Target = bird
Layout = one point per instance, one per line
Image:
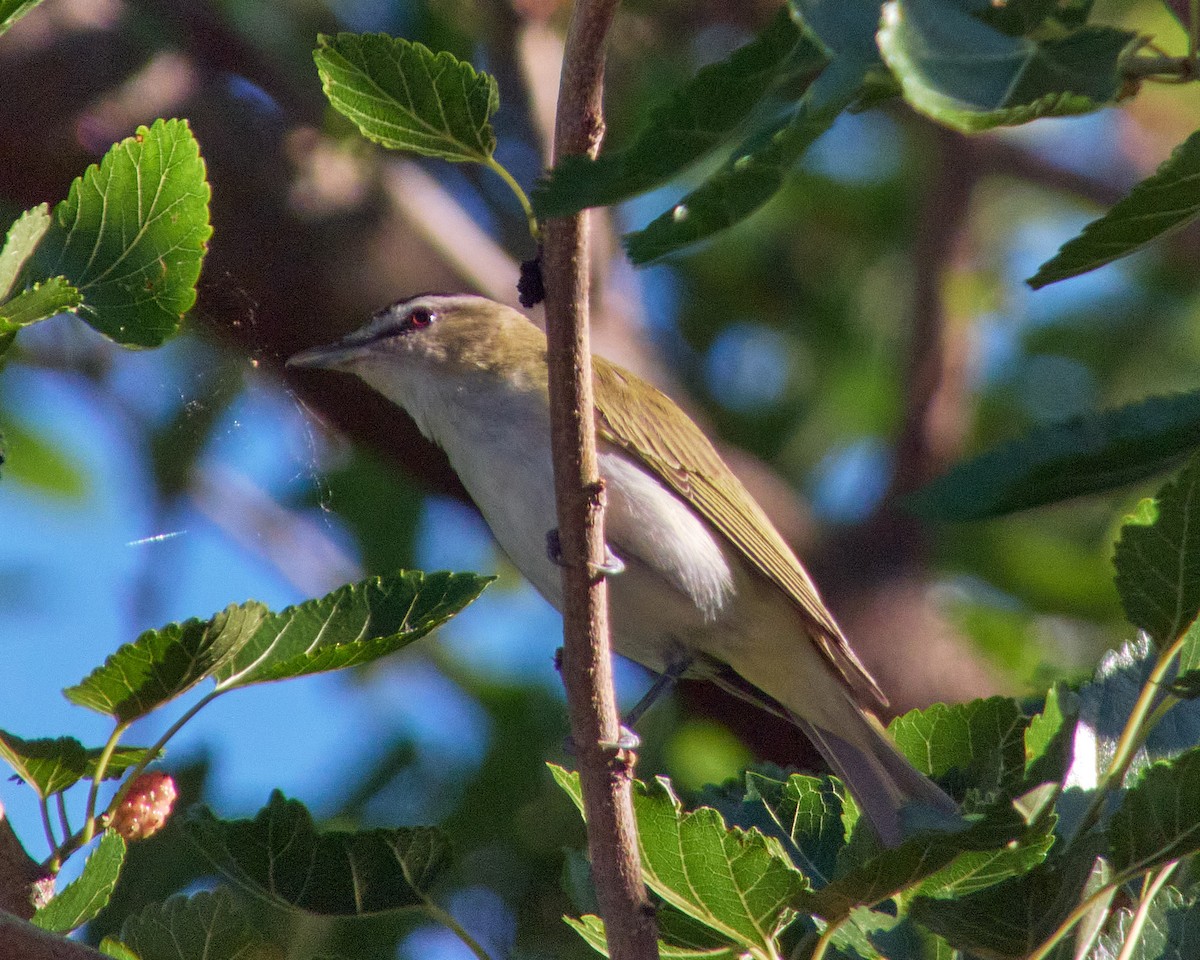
(701, 585)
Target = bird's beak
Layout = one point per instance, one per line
(332, 356)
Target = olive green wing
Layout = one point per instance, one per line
(688, 462)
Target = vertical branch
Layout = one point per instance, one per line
(605, 770)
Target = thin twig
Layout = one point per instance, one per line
(605, 771)
(1151, 885)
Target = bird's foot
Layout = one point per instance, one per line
(626, 740)
(611, 567)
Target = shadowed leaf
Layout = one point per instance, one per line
(205, 926)
(697, 118)
(1158, 560)
(1160, 203)
(1082, 455)
(52, 765)
(279, 856)
(962, 72)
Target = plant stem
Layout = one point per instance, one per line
(1194, 29)
(1080, 911)
(1178, 69)
(1141, 720)
(605, 770)
(89, 827)
(50, 839)
(823, 942)
(62, 814)
(89, 816)
(445, 918)
(535, 229)
(1150, 888)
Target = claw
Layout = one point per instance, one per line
(611, 567)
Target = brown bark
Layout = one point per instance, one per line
(605, 770)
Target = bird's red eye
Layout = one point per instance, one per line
(420, 318)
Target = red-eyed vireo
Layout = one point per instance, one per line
(709, 587)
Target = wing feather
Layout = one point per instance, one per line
(689, 463)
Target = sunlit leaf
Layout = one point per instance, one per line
(22, 239)
(1082, 455)
(1050, 738)
(697, 118)
(355, 624)
(162, 664)
(41, 301)
(132, 233)
(111, 947)
(13, 10)
(1160, 203)
(206, 926)
(37, 462)
(281, 857)
(1158, 559)
(982, 739)
(966, 74)
(86, 896)
(739, 884)
(404, 96)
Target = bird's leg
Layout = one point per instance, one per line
(628, 739)
(611, 566)
(662, 684)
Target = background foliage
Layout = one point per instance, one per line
(859, 333)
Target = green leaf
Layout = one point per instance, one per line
(1105, 705)
(405, 97)
(756, 171)
(1158, 559)
(280, 857)
(22, 239)
(1011, 918)
(162, 664)
(40, 302)
(206, 926)
(1072, 458)
(37, 462)
(995, 844)
(355, 624)
(111, 947)
(739, 884)
(983, 740)
(591, 928)
(132, 233)
(962, 72)
(13, 10)
(812, 817)
(83, 899)
(52, 765)
(1160, 203)
(696, 119)
(1170, 931)
(1050, 738)
(1158, 820)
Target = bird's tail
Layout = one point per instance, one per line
(887, 787)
